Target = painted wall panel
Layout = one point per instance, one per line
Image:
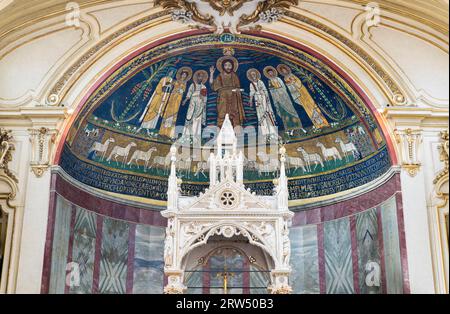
(304, 260)
(258, 280)
(394, 274)
(148, 263)
(114, 257)
(338, 257)
(83, 254)
(60, 248)
(368, 252)
(194, 282)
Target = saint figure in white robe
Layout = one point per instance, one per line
(197, 96)
(259, 96)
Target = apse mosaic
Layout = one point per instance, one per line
(179, 93)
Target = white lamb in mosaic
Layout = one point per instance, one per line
(101, 148)
(122, 152)
(142, 156)
(329, 153)
(348, 149)
(311, 159)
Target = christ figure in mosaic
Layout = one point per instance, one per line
(228, 87)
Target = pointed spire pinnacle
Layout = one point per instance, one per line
(227, 136)
(173, 190)
(282, 189)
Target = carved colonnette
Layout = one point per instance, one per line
(8, 193)
(439, 218)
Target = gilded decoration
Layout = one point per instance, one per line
(267, 11)
(226, 6)
(398, 96)
(230, 14)
(186, 7)
(54, 97)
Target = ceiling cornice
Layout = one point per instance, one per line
(433, 13)
(22, 13)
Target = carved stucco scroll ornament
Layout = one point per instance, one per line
(409, 141)
(226, 6)
(220, 14)
(185, 11)
(267, 12)
(42, 141)
(6, 148)
(443, 151)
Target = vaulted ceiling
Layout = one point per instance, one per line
(17, 13)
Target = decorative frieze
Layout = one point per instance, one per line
(409, 141)
(42, 141)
